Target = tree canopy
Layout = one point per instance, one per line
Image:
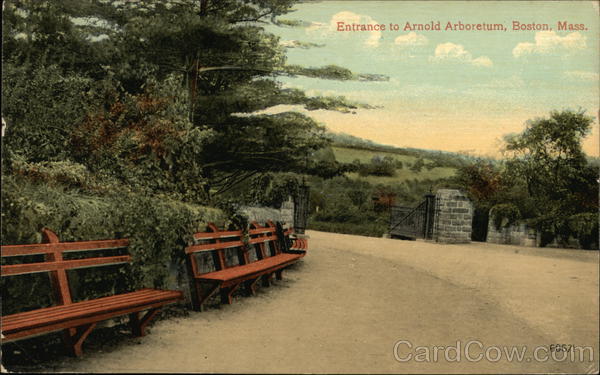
(161, 96)
(545, 179)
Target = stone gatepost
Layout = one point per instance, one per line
(454, 216)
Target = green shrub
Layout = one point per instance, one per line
(158, 230)
(379, 166)
(505, 215)
(585, 228)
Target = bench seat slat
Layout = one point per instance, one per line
(251, 269)
(46, 248)
(81, 320)
(81, 306)
(86, 309)
(20, 269)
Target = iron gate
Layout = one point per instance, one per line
(301, 209)
(413, 222)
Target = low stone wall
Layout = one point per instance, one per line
(522, 235)
(454, 216)
(285, 214)
(517, 234)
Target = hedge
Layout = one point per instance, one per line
(158, 230)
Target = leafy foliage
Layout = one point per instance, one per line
(332, 72)
(548, 159)
(585, 228)
(546, 180)
(505, 215)
(128, 118)
(166, 84)
(158, 230)
(379, 166)
(41, 107)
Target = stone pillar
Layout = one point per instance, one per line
(454, 216)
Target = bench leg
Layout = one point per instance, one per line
(138, 325)
(74, 338)
(204, 297)
(279, 274)
(267, 279)
(251, 286)
(226, 293)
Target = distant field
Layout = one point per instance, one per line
(404, 174)
(347, 155)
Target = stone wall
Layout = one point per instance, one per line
(517, 234)
(522, 235)
(454, 216)
(285, 214)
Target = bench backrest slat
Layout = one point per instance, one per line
(213, 246)
(21, 269)
(259, 229)
(47, 248)
(54, 262)
(222, 240)
(216, 235)
(256, 232)
(263, 239)
(261, 235)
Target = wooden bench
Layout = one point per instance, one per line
(76, 319)
(223, 262)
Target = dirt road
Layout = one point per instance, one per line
(358, 304)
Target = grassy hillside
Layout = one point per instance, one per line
(348, 154)
(351, 204)
(442, 158)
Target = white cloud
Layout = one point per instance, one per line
(353, 18)
(458, 53)
(579, 75)
(411, 39)
(548, 42)
(348, 18)
(451, 51)
(482, 61)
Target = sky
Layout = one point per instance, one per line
(449, 90)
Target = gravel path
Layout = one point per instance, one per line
(351, 299)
